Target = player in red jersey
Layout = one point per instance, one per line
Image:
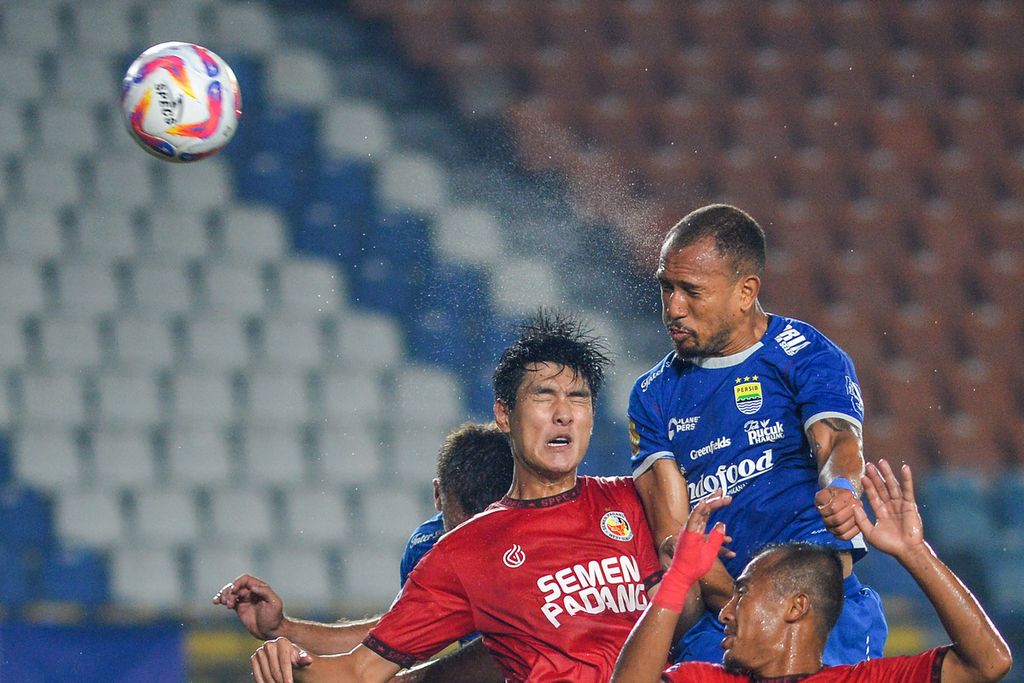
(554, 575)
(788, 598)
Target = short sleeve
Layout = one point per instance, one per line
(923, 668)
(431, 612)
(646, 553)
(826, 385)
(699, 672)
(648, 434)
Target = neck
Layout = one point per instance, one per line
(530, 486)
(794, 658)
(748, 332)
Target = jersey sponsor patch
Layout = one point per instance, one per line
(616, 527)
(853, 389)
(718, 444)
(791, 340)
(748, 395)
(763, 431)
(682, 424)
(612, 584)
(634, 438)
(514, 557)
(731, 478)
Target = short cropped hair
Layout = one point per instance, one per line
(556, 338)
(809, 568)
(737, 236)
(474, 466)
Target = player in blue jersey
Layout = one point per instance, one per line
(761, 405)
(474, 469)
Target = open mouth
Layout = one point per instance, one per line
(560, 441)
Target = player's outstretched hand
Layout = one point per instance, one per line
(695, 553)
(898, 529)
(259, 608)
(276, 661)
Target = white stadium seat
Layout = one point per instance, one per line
(470, 234)
(160, 288)
(104, 26)
(356, 129)
(123, 457)
(412, 181)
(13, 344)
(31, 27)
(48, 458)
(12, 122)
(21, 77)
(166, 517)
(368, 341)
(147, 577)
(428, 397)
(90, 517)
(273, 456)
(303, 574)
(278, 398)
(236, 287)
(85, 79)
(143, 343)
(105, 234)
(349, 456)
(68, 129)
(204, 186)
(248, 27)
(198, 456)
(69, 343)
(390, 512)
(203, 397)
(257, 234)
(240, 515)
(520, 286)
(53, 398)
(125, 180)
(217, 343)
(126, 398)
(50, 181)
(293, 343)
(32, 233)
(316, 517)
(179, 233)
(412, 452)
(352, 397)
(22, 287)
(309, 287)
(215, 564)
(371, 573)
(298, 77)
(87, 289)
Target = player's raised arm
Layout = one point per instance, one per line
(643, 656)
(979, 653)
(261, 611)
(839, 448)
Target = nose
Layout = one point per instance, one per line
(562, 414)
(728, 611)
(674, 304)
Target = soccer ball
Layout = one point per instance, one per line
(180, 101)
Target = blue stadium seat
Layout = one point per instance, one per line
(404, 236)
(967, 526)
(451, 310)
(74, 575)
(288, 131)
(396, 264)
(268, 177)
(16, 578)
(5, 459)
(325, 230)
(1008, 502)
(348, 185)
(26, 517)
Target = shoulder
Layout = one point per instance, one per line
(643, 383)
(797, 340)
(427, 532)
(620, 488)
(699, 671)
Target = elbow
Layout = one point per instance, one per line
(997, 666)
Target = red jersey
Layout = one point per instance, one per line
(553, 584)
(923, 668)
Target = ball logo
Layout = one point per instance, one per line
(615, 526)
(514, 557)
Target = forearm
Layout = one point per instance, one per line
(362, 665)
(325, 639)
(839, 449)
(716, 587)
(662, 490)
(977, 645)
(645, 653)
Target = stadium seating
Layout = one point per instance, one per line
(183, 346)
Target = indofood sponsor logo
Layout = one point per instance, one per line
(748, 394)
(682, 424)
(732, 477)
(720, 442)
(763, 431)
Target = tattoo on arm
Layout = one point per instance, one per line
(837, 425)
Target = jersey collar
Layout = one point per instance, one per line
(550, 501)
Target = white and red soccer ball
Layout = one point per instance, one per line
(180, 101)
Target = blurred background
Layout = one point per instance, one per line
(247, 364)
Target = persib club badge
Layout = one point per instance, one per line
(748, 395)
(615, 526)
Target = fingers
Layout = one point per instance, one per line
(698, 519)
(908, 484)
(232, 592)
(864, 524)
(874, 488)
(273, 661)
(891, 485)
(260, 666)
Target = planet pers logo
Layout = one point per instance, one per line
(748, 395)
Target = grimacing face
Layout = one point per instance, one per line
(551, 423)
(754, 620)
(700, 298)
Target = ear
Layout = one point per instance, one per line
(749, 289)
(797, 607)
(437, 494)
(501, 416)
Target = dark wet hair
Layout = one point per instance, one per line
(551, 337)
(737, 236)
(474, 466)
(809, 568)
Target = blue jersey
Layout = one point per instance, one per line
(738, 422)
(422, 540)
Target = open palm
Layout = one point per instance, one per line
(898, 527)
